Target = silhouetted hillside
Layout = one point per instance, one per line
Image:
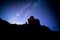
(33, 25)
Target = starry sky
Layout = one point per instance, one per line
(18, 11)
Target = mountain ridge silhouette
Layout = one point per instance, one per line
(33, 25)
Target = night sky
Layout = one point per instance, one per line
(18, 11)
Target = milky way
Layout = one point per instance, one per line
(19, 11)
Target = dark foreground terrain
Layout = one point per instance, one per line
(33, 25)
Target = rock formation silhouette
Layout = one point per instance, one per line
(33, 25)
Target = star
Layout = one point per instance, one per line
(17, 14)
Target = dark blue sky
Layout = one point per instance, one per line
(19, 11)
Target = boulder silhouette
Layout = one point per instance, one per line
(31, 20)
